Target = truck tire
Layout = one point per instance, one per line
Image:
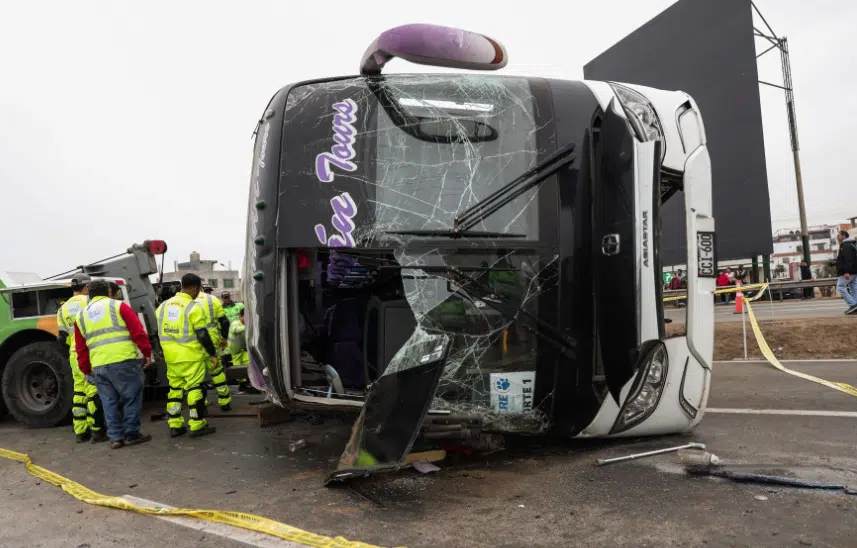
(38, 386)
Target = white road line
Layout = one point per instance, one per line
(789, 412)
(807, 362)
(250, 538)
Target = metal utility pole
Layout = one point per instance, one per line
(783, 45)
(790, 107)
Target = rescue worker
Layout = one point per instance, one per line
(187, 346)
(231, 307)
(238, 352)
(237, 342)
(87, 416)
(218, 329)
(107, 335)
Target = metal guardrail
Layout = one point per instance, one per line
(774, 286)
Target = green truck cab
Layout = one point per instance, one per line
(35, 375)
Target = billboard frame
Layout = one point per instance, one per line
(781, 43)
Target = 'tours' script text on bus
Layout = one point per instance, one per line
(340, 155)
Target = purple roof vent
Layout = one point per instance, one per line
(434, 45)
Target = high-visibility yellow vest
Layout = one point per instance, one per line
(233, 311)
(107, 336)
(66, 316)
(178, 320)
(238, 344)
(213, 309)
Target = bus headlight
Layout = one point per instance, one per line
(640, 113)
(643, 401)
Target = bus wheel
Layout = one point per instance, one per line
(38, 386)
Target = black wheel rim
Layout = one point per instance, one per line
(38, 386)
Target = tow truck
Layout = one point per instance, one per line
(35, 375)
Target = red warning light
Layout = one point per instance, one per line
(156, 247)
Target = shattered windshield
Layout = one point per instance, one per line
(490, 140)
(370, 163)
(364, 158)
(479, 308)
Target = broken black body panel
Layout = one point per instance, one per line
(380, 167)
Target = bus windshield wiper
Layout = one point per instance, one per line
(531, 178)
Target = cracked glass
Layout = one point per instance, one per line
(387, 164)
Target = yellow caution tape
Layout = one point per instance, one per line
(762, 288)
(236, 519)
(758, 295)
(766, 351)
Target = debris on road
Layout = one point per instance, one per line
(296, 445)
(703, 463)
(766, 479)
(602, 462)
(761, 498)
(425, 467)
(270, 414)
(698, 457)
(428, 456)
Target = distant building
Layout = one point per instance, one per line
(220, 280)
(788, 249)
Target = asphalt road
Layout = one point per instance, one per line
(543, 496)
(765, 310)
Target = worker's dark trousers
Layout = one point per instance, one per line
(120, 387)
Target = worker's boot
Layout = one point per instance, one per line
(204, 431)
(99, 436)
(83, 438)
(178, 432)
(137, 439)
(226, 408)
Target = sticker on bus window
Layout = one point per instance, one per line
(513, 392)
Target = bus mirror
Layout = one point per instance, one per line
(436, 46)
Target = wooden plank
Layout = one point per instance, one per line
(270, 414)
(430, 456)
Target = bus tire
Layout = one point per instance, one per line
(38, 386)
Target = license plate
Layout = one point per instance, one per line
(706, 255)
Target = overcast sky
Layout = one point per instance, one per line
(122, 121)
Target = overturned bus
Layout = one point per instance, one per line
(461, 256)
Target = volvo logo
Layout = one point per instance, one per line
(610, 245)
